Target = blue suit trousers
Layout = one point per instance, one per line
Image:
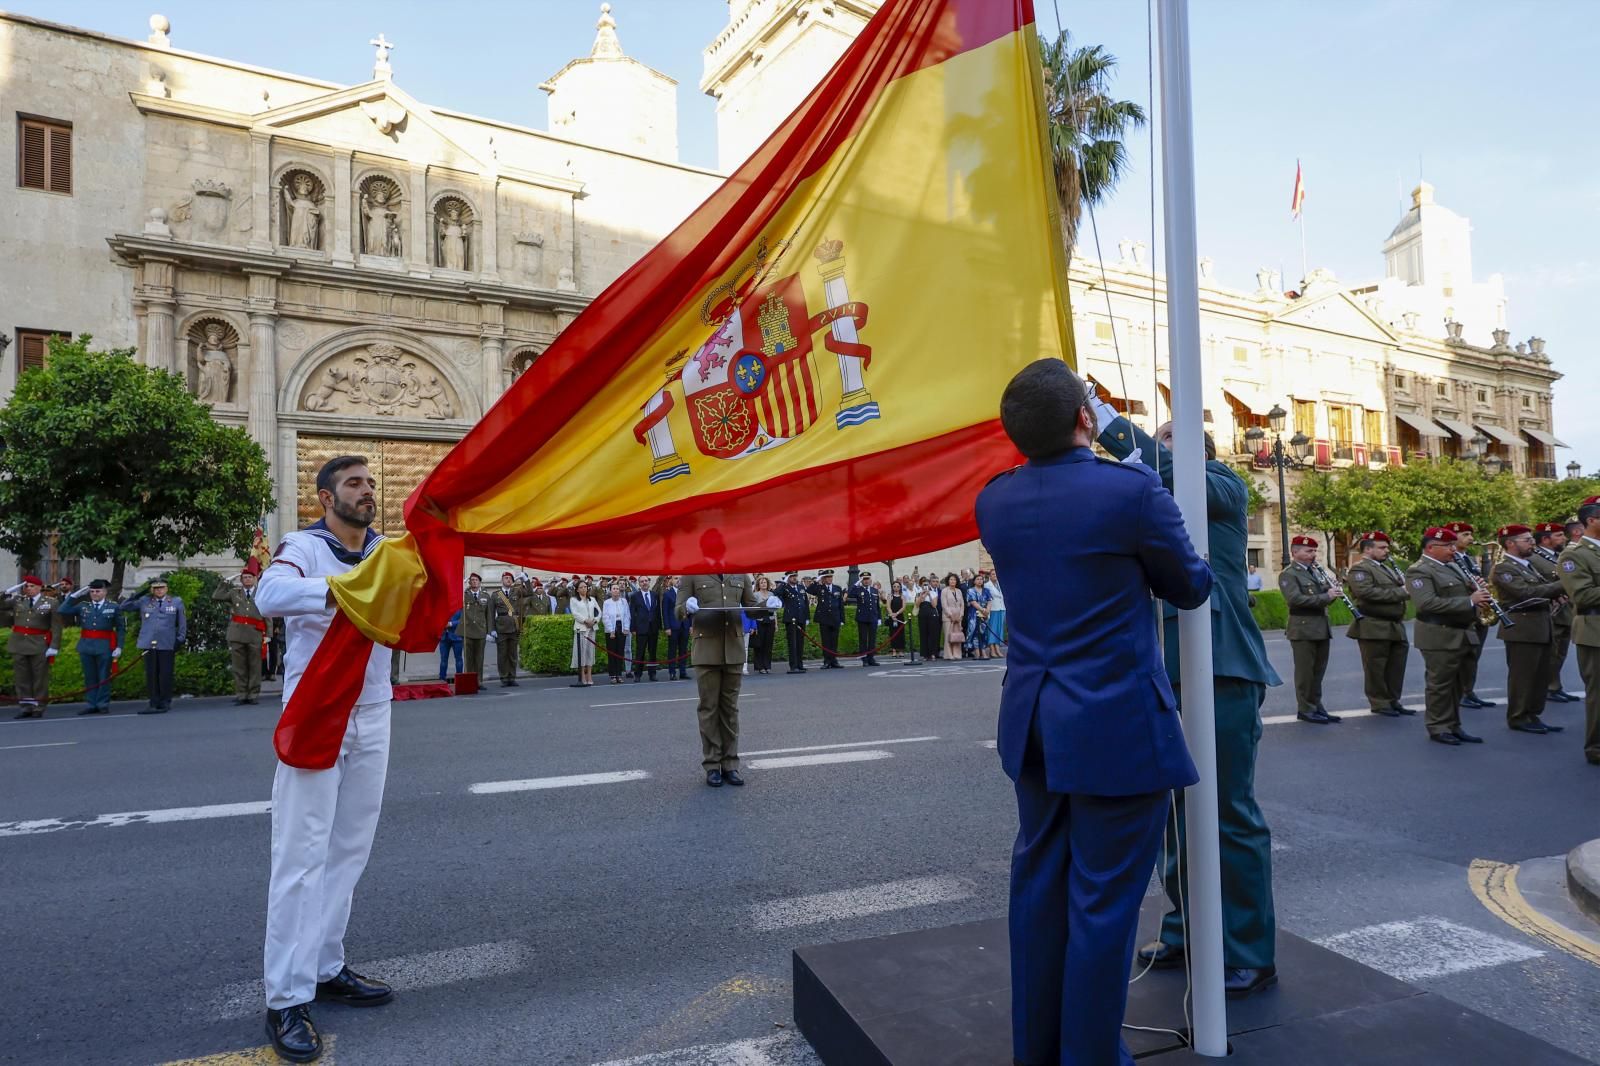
(96, 677)
(1078, 875)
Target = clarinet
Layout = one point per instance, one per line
(1545, 553)
(1322, 576)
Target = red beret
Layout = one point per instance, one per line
(32, 579)
(1591, 499)
(1304, 541)
(1377, 535)
(1444, 533)
(1513, 530)
(1547, 527)
(1459, 527)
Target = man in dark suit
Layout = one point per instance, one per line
(677, 632)
(869, 614)
(1089, 729)
(830, 617)
(644, 622)
(796, 616)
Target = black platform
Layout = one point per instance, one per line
(942, 997)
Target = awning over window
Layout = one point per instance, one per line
(1249, 397)
(1503, 435)
(1420, 424)
(1460, 429)
(1549, 440)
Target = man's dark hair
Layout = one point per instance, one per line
(328, 476)
(1431, 540)
(1574, 530)
(1040, 406)
(1588, 513)
(1544, 535)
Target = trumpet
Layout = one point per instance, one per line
(1322, 576)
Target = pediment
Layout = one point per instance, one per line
(1338, 312)
(376, 117)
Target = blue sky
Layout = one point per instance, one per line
(1478, 96)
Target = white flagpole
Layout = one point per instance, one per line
(1204, 939)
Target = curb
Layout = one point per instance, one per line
(1583, 877)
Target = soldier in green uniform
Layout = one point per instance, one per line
(1548, 540)
(712, 603)
(1580, 577)
(1447, 603)
(35, 639)
(1308, 596)
(247, 633)
(506, 605)
(1378, 589)
(99, 641)
(535, 600)
(1468, 563)
(1525, 596)
(475, 619)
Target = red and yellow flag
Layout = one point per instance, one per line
(808, 369)
(1297, 201)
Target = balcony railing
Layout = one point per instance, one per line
(1343, 449)
(1542, 470)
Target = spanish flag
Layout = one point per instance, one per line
(808, 369)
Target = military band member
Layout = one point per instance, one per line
(1308, 631)
(1447, 603)
(796, 616)
(1378, 589)
(1580, 577)
(711, 602)
(34, 642)
(830, 617)
(163, 625)
(507, 607)
(247, 633)
(476, 616)
(1469, 666)
(1525, 596)
(1548, 541)
(99, 641)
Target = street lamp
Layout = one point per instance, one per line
(1299, 448)
(1574, 470)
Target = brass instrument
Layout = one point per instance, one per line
(1550, 556)
(1488, 613)
(1322, 576)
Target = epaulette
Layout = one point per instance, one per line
(1001, 474)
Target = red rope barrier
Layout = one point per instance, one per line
(70, 696)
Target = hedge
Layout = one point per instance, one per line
(195, 673)
(1273, 613)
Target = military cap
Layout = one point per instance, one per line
(1444, 533)
(1376, 535)
(1512, 530)
(1303, 541)
(99, 583)
(1542, 528)
(1591, 499)
(1459, 527)
(32, 579)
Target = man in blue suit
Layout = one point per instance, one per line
(1089, 729)
(1242, 674)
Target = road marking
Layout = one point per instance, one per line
(990, 744)
(858, 902)
(1280, 719)
(74, 718)
(817, 760)
(57, 744)
(484, 788)
(125, 818)
(835, 747)
(1425, 948)
(684, 699)
(1495, 885)
(783, 1049)
(407, 973)
(258, 1056)
(937, 671)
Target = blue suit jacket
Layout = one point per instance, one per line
(1237, 649)
(1081, 543)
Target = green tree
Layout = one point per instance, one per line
(1086, 125)
(120, 463)
(1557, 501)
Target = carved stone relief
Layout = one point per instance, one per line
(468, 353)
(530, 257)
(290, 336)
(380, 379)
(207, 208)
(381, 217)
(301, 213)
(213, 360)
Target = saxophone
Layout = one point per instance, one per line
(1488, 613)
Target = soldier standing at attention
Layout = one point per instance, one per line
(1580, 577)
(1469, 666)
(1548, 540)
(1525, 595)
(1308, 630)
(162, 627)
(830, 617)
(247, 633)
(796, 616)
(1447, 603)
(475, 618)
(869, 613)
(507, 607)
(99, 642)
(1378, 589)
(35, 639)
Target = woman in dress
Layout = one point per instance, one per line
(979, 598)
(585, 618)
(897, 619)
(615, 619)
(766, 628)
(997, 617)
(953, 610)
(926, 605)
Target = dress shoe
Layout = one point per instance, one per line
(1329, 715)
(1557, 695)
(714, 778)
(1530, 727)
(154, 710)
(1445, 738)
(796, 671)
(1465, 738)
(353, 990)
(731, 777)
(292, 1034)
(1159, 955)
(93, 710)
(1548, 728)
(1315, 717)
(1478, 701)
(1242, 981)
(513, 683)
(1387, 712)
(29, 712)
(1402, 708)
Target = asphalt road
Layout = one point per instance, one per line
(646, 918)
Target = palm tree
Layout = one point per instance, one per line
(1086, 125)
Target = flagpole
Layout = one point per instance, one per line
(1204, 902)
(1305, 268)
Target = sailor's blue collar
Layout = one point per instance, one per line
(320, 530)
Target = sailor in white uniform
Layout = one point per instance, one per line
(322, 820)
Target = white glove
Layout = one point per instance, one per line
(116, 653)
(1104, 414)
(774, 602)
(1135, 456)
(491, 636)
(14, 589)
(691, 605)
(50, 653)
(80, 593)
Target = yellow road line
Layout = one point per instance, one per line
(256, 1056)
(1495, 885)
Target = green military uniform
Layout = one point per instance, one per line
(1580, 577)
(247, 640)
(506, 604)
(1446, 633)
(1529, 640)
(1308, 632)
(1379, 592)
(535, 601)
(35, 638)
(1560, 621)
(1469, 664)
(476, 616)
(718, 657)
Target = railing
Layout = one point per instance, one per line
(1378, 454)
(1542, 470)
(1343, 449)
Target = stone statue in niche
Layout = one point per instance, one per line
(434, 396)
(452, 239)
(303, 212)
(214, 370)
(380, 219)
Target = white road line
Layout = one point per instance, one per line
(117, 821)
(783, 1049)
(57, 744)
(74, 718)
(428, 969)
(1280, 719)
(858, 902)
(817, 760)
(484, 788)
(990, 744)
(1426, 948)
(684, 699)
(835, 747)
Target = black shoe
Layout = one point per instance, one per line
(731, 777)
(238, 701)
(714, 778)
(29, 712)
(1445, 738)
(1387, 712)
(1240, 982)
(1557, 695)
(353, 990)
(794, 671)
(1548, 728)
(1472, 701)
(1466, 738)
(1315, 717)
(1402, 708)
(292, 1034)
(1160, 955)
(513, 683)
(1329, 715)
(1531, 727)
(154, 710)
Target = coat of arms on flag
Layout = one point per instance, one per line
(752, 385)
